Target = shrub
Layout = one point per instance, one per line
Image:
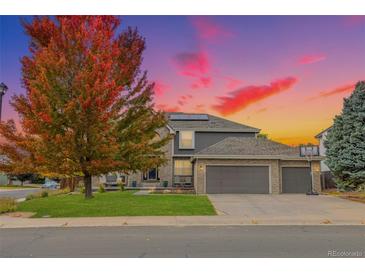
(7, 205)
(44, 193)
(343, 185)
(59, 191)
(82, 189)
(101, 188)
(30, 197)
(361, 188)
(121, 187)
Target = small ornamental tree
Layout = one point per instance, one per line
(88, 108)
(345, 142)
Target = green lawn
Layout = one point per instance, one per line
(119, 204)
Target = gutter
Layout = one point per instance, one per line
(253, 157)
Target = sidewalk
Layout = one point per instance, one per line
(19, 222)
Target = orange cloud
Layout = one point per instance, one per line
(310, 59)
(241, 98)
(207, 29)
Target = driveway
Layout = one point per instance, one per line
(288, 207)
(18, 193)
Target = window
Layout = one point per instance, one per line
(183, 168)
(151, 175)
(186, 140)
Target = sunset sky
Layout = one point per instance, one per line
(286, 75)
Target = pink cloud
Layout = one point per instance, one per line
(167, 108)
(354, 20)
(192, 63)
(195, 65)
(232, 83)
(202, 82)
(199, 108)
(310, 59)
(161, 88)
(183, 100)
(338, 90)
(241, 98)
(207, 29)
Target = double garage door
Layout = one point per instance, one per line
(295, 179)
(238, 179)
(255, 179)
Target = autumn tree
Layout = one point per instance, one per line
(88, 106)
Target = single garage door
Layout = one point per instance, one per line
(296, 179)
(237, 179)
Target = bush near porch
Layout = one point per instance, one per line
(119, 203)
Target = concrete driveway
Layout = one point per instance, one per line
(299, 207)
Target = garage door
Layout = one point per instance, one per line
(296, 179)
(237, 179)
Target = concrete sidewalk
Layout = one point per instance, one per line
(19, 222)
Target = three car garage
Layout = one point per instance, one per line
(254, 166)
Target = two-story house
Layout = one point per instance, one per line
(216, 155)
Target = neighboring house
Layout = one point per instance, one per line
(321, 137)
(326, 175)
(215, 155)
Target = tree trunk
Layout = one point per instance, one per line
(88, 186)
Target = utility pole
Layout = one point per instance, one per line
(3, 89)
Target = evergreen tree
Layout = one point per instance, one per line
(345, 142)
(88, 108)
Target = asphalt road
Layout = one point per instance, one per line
(18, 193)
(162, 242)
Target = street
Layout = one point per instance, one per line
(162, 242)
(18, 193)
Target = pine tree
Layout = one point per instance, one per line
(345, 142)
(88, 107)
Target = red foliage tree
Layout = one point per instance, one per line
(88, 108)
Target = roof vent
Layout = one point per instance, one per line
(189, 117)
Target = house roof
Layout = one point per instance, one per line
(319, 135)
(213, 123)
(241, 146)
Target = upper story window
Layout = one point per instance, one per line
(186, 140)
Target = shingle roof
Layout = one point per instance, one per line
(319, 135)
(241, 146)
(213, 124)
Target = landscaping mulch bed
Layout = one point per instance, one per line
(353, 196)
